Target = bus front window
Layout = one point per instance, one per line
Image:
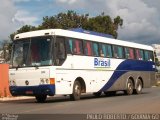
(40, 52)
(32, 52)
(18, 55)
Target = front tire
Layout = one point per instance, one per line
(139, 87)
(129, 90)
(76, 91)
(41, 98)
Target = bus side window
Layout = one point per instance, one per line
(109, 51)
(126, 53)
(88, 48)
(148, 56)
(115, 51)
(129, 53)
(102, 50)
(139, 54)
(142, 54)
(60, 51)
(151, 56)
(118, 51)
(138, 57)
(78, 47)
(71, 45)
(95, 49)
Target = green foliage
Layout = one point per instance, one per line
(64, 20)
(101, 23)
(25, 28)
(6, 51)
(157, 62)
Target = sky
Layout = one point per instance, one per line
(141, 17)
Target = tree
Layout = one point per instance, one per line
(25, 28)
(64, 20)
(157, 62)
(6, 50)
(101, 23)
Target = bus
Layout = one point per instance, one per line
(73, 62)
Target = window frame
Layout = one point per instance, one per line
(150, 58)
(143, 59)
(84, 47)
(123, 53)
(133, 53)
(98, 50)
(68, 50)
(99, 45)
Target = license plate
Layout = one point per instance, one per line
(29, 92)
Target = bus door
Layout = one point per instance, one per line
(60, 51)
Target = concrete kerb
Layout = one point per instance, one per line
(19, 98)
(15, 98)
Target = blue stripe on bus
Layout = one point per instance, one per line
(126, 66)
(32, 90)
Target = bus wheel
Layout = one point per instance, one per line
(139, 86)
(110, 93)
(129, 90)
(76, 91)
(97, 94)
(41, 98)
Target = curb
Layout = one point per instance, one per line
(15, 98)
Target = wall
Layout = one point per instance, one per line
(4, 78)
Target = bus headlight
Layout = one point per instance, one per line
(12, 83)
(44, 81)
(47, 81)
(41, 81)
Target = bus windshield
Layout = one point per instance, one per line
(32, 52)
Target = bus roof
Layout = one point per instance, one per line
(80, 30)
(82, 35)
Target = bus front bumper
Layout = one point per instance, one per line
(32, 90)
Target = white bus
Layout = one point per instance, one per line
(71, 62)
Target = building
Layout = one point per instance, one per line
(1, 57)
(157, 49)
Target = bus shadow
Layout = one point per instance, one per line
(88, 97)
(67, 98)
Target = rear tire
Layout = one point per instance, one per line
(76, 91)
(129, 90)
(139, 87)
(41, 98)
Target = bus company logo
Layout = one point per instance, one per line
(101, 63)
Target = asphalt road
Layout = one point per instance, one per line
(147, 102)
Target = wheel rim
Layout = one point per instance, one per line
(139, 87)
(130, 87)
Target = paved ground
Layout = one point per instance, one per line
(148, 102)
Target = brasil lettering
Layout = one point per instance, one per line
(102, 62)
